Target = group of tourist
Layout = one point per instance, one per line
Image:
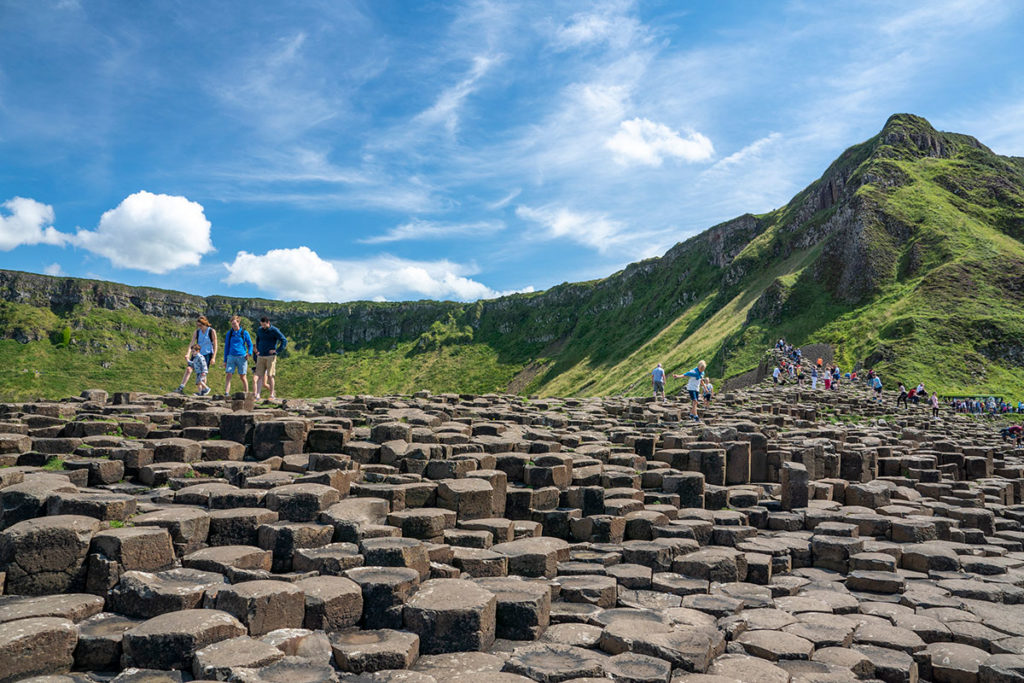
(239, 348)
(981, 406)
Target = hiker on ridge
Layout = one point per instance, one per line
(658, 381)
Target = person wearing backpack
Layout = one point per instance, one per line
(237, 349)
(206, 338)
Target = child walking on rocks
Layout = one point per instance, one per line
(902, 398)
(934, 400)
(693, 382)
(197, 363)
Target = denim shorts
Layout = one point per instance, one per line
(693, 394)
(239, 364)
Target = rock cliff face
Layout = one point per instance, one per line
(899, 221)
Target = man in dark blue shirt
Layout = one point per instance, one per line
(269, 343)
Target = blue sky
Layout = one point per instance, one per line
(403, 150)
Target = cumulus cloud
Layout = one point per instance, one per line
(27, 222)
(301, 273)
(157, 233)
(642, 141)
(594, 230)
(430, 230)
(53, 269)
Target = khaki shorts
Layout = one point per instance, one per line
(266, 364)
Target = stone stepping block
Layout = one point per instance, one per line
(102, 506)
(287, 670)
(550, 663)
(443, 666)
(100, 471)
(36, 647)
(1001, 667)
(350, 515)
(858, 663)
(385, 591)
(146, 595)
(396, 552)
(238, 526)
(875, 581)
(170, 641)
(594, 589)
(219, 661)
(523, 606)
(741, 667)
(470, 498)
(46, 555)
(284, 538)
(332, 602)
(224, 559)
(177, 451)
(301, 502)
(712, 564)
(889, 664)
(689, 649)
(630, 667)
(375, 650)
(202, 494)
(263, 605)
(423, 523)
(332, 559)
(74, 607)
(501, 529)
(577, 635)
(99, 641)
(451, 615)
(115, 551)
(534, 557)
(823, 630)
(220, 449)
(480, 563)
(189, 527)
(776, 645)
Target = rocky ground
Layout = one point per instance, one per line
(487, 538)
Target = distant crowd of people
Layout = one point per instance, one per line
(239, 348)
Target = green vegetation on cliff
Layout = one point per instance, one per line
(906, 256)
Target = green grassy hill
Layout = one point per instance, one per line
(906, 256)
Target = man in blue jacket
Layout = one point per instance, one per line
(269, 344)
(237, 349)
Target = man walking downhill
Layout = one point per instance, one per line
(237, 349)
(658, 380)
(693, 380)
(269, 345)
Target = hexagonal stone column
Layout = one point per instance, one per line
(170, 640)
(451, 615)
(46, 555)
(263, 606)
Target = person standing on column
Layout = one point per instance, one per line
(269, 345)
(237, 349)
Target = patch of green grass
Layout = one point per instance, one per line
(54, 465)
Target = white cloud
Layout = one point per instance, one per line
(755, 150)
(53, 269)
(590, 229)
(448, 104)
(430, 230)
(157, 233)
(28, 222)
(646, 142)
(302, 274)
